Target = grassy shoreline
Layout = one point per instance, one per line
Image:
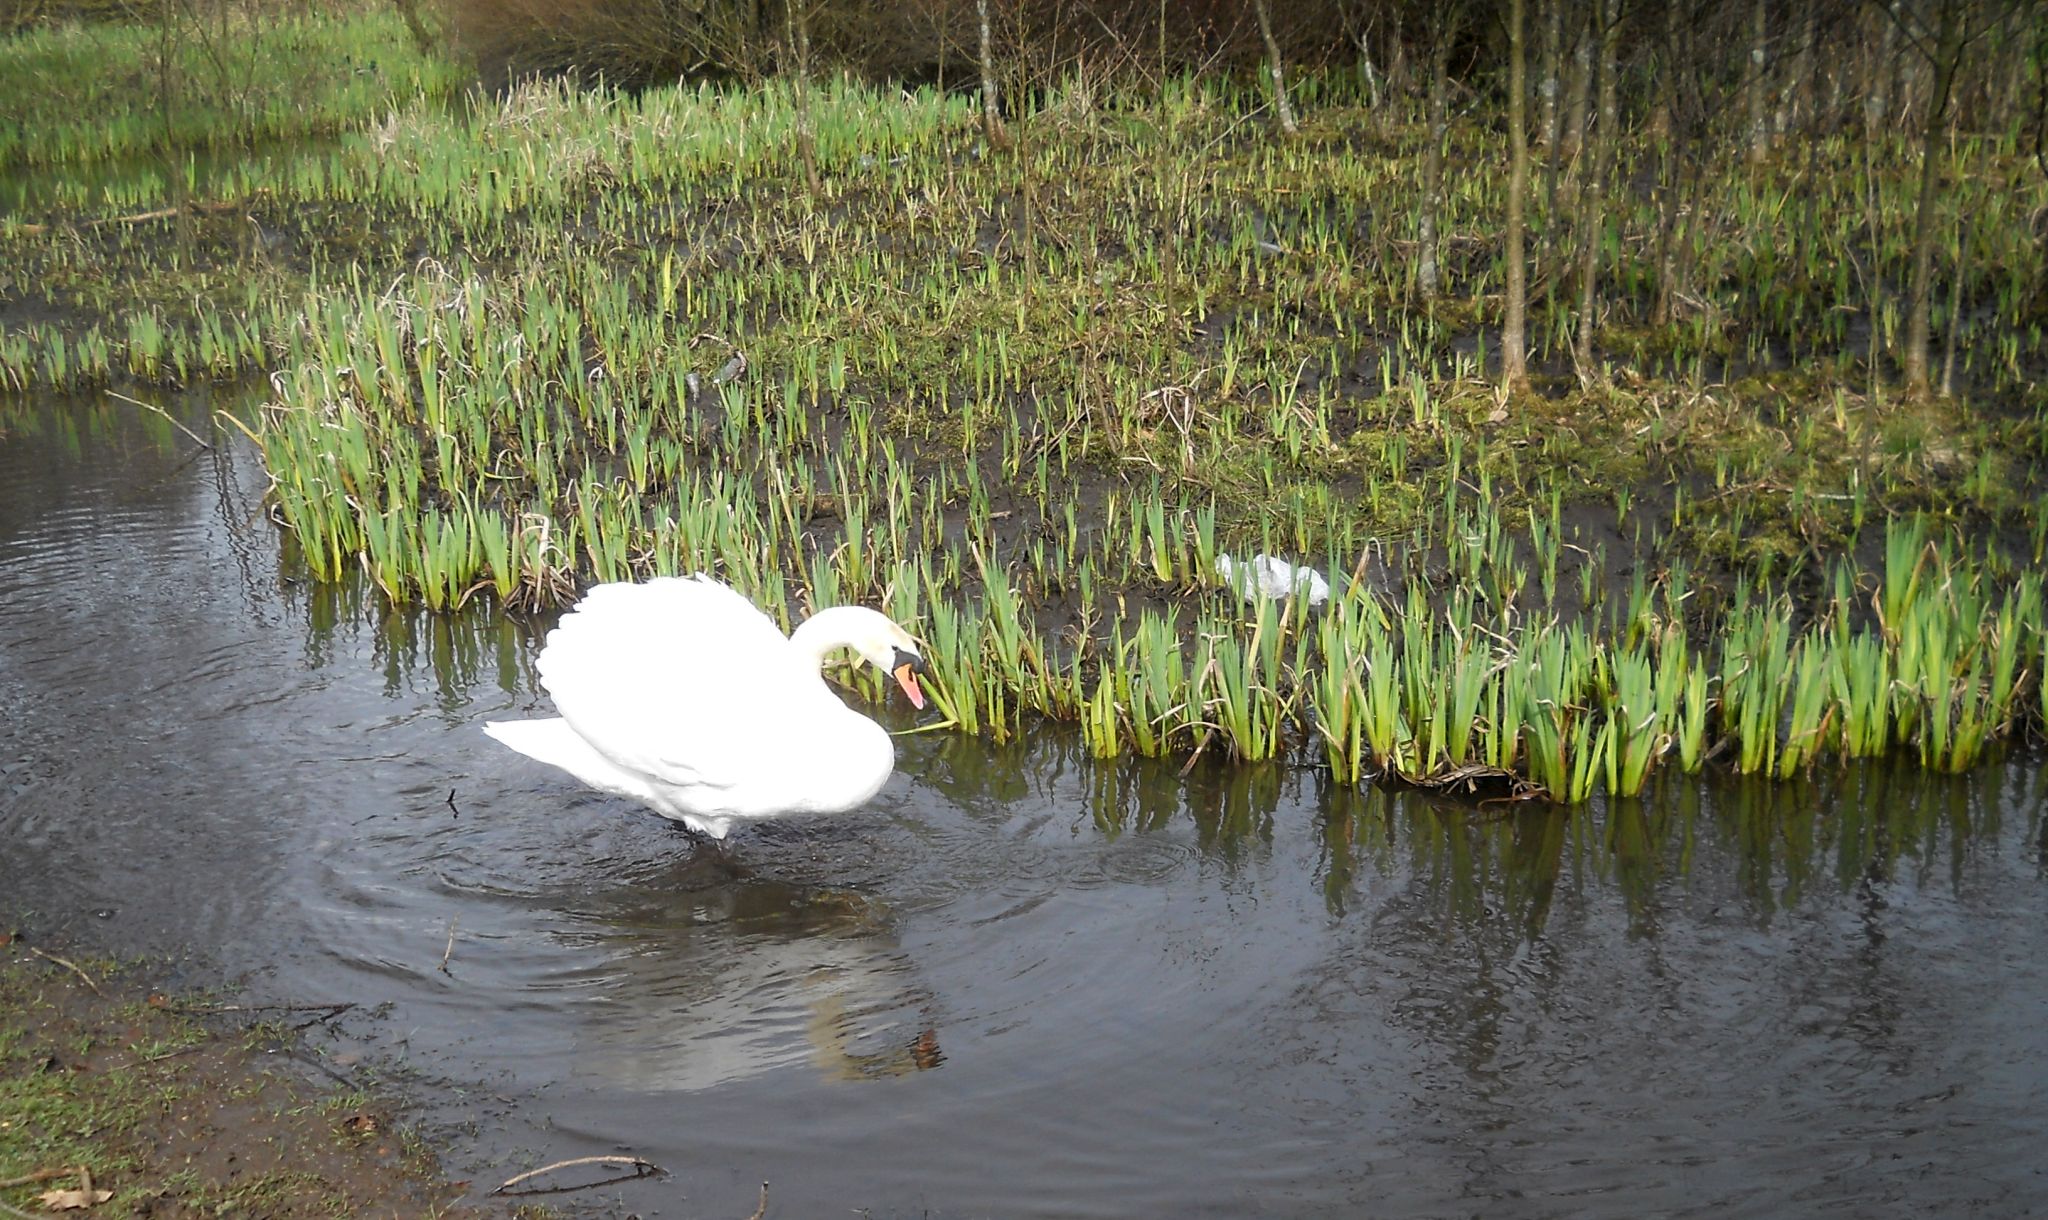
(172, 1109)
(77, 93)
(1022, 400)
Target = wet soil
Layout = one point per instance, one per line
(187, 1106)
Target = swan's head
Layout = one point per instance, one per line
(878, 640)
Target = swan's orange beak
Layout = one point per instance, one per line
(906, 677)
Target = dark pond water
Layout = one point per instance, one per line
(1019, 984)
(137, 181)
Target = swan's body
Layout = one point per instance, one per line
(680, 694)
(1266, 578)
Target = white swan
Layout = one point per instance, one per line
(1265, 577)
(680, 694)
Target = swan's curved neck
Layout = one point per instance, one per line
(827, 631)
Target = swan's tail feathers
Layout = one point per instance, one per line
(546, 741)
(553, 742)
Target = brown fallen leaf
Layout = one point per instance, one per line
(72, 1200)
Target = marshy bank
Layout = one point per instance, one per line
(838, 342)
(121, 1100)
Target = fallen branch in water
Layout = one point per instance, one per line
(641, 1169)
(150, 406)
(450, 950)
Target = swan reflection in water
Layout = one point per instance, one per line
(707, 982)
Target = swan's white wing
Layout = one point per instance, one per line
(679, 679)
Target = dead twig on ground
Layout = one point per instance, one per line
(58, 1200)
(40, 1175)
(641, 1168)
(322, 1013)
(212, 207)
(72, 967)
(160, 1056)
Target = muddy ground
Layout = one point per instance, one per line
(119, 1100)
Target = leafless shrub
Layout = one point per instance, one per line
(638, 42)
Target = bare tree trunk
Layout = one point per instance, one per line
(2013, 81)
(991, 115)
(750, 35)
(1809, 224)
(1027, 201)
(1579, 109)
(1900, 68)
(1834, 107)
(1365, 65)
(797, 22)
(1553, 42)
(1572, 146)
(422, 41)
(1877, 104)
(1554, 152)
(1955, 309)
(1169, 213)
(1274, 68)
(1607, 24)
(1795, 88)
(1442, 26)
(1161, 32)
(1948, 54)
(1753, 79)
(168, 78)
(1874, 238)
(1514, 355)
(1670, 173)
